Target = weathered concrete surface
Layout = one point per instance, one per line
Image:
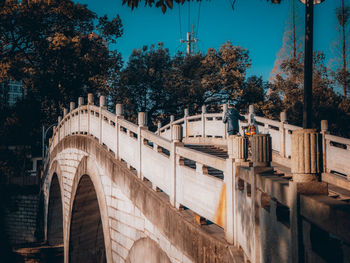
(146, 250)
(129, 208)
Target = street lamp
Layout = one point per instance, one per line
(308, 56)
(44, 133)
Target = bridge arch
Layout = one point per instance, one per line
(147, 250)
(55, 213)
(88, 237)
(54, 216)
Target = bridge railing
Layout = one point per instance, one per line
(159, 160)
(208, 128)
(248, 203)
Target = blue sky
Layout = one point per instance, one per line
(256, 25)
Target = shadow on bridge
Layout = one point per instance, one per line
(55, 220)
(87, 242)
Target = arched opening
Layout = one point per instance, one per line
(86, 242)
(146, 250)
(55, 218)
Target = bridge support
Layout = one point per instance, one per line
(305, 170)
(261, 150)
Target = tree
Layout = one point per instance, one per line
(142, 81)
(341, 73)
(253, 92)
(161, 85)
(164, 4)
(52, 48)
(292, 41)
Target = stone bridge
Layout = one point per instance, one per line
(117, 192)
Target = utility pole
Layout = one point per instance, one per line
(308, 56)
(309, 21)
(190, 41)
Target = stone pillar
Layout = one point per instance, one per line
(80, 101)
(172, 118)
(142, 119)
(103, 102)
(71, 106)
(186, 114)
(261, 150)
(159, 125)
(237, 147)
(177, 133)
(65, 112)
(305, 155)
(283, 117)
(142, 122)
(90, 99)
(59, 119)
(324, 131)
(119, 111)
(102, 106)
(204, 111)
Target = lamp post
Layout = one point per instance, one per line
(308, 56)
(43, 136)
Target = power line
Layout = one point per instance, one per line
(199, 13)
(189, 16)
(180, 21)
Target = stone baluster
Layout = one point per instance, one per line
(119, 112)
(305, 155)
(186, 114)
(159, 125)
(80, 101)
(283, 117)
(175, 142)
(204, 111)
(65, 112)
(102, 102)
(90, 99)
(177, 133)
(324, 131)
(261, 150)
(101, 121)
(80, 104)
(90, 103)
(142, 124)
(71, 108)
(59, 119)
(142, 119)
(172, 118)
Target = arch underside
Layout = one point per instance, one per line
(86, 233)
(55, 214)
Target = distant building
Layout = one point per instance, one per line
(10, 92)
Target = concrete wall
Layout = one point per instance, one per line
(20, 218)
